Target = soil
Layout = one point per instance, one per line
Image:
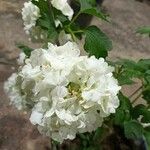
(16, 132)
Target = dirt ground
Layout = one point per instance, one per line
(16, 132)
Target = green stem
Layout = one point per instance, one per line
(118, 70)
(135, 92)
(72, 35)
(78, 31)
(70, 30)
(74, 18)
(55, 145)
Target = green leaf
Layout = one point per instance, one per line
(42, 5)
(87, 8)
(124, 110)
(131, 70)
(126, 63)
(144, 65)
(146, 94)
(27, 50)
(46, 25)
(148, 72)
(127, 76)
(98, 133)
(147, 138)
(92, 2)
(141, 110)
(120, 117)
(96, 42)
(124, 80)
(46, 21)
(133, 130)
(82, 136)
(143, 30)
(130, 64)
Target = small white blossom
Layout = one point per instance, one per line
(30, 14)
(67, 93)
(64, 7)
(21, 58)
(13, 91)
(57, 23)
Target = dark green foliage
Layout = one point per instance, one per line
(87, 8)
(133, 129)
(46, 21)
(123, 113)
(96, 42)
(147, 138)
(141, 111)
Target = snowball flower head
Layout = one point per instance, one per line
(30, 14)
(64, 7)
(67, 93)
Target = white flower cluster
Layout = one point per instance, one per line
(31, 13)
(68, 93)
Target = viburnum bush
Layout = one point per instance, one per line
(73, 96)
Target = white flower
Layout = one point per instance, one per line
(64, 7)
(67, 93)
(36, 117)
(69, 49)
(57, 23)
(145, 125)
(14, 91)
(30, 14)
(21, 58)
